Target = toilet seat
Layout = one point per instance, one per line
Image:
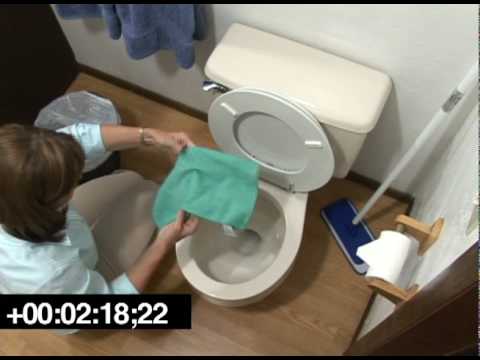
(294, 207)
(286, 140)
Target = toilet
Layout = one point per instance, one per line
(302, 114)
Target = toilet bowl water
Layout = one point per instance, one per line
(240, 256)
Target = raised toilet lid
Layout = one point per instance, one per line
(286, 140)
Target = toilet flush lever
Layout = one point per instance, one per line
(213, 86)
(313, 144)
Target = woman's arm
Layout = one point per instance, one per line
(141, 272)
(117, 137)
(96, 139)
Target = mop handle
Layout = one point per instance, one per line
(441, 115)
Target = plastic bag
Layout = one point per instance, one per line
(81, 106)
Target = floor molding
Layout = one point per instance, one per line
(359, 328)
(374, 185)
(142, 91)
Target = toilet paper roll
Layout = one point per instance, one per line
(387, 255)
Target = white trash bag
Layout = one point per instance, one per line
(81, 106)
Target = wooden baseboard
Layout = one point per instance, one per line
(142, 91)
(374, 185)
(363, 318)
(370, 183)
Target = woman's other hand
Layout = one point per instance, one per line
(177, 141)
(173, 232)
(143, 269)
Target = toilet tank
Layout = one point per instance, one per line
(346, 98)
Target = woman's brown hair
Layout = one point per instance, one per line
(39, 169)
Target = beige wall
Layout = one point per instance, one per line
(426, 49)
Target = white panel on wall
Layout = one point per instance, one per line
(426, 49)
(450, 192)
(448, 189)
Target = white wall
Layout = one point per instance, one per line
(426, 49)
(448, 188)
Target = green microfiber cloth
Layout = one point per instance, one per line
(210, 184)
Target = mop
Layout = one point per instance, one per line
(342, 217)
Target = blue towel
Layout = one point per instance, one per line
(147, 28)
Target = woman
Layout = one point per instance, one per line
(46, 245)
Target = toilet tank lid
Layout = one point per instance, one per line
(341, 93)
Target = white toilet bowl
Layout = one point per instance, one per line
(302, 115)
(231, 271)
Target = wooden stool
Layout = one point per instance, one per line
(426, 235)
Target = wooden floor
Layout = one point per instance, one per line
(314, 312)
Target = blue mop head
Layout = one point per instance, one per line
(350, 237)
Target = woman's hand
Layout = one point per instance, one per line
(173, 232)
(143, 269)
(176, 141)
